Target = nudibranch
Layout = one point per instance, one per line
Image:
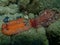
(17, 26)
(14, 27)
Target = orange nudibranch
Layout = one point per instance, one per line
(14, 27)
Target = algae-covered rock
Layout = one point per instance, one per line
(8, 10)
(2, 10)
(4, 40)
(54, 33)
(55, 27)
(23, 2)
(13, 1)
(18, 15)
(31, 37)
(31, 15)
(34, 6)
(4, 2)
(13, 6)
(31, 6)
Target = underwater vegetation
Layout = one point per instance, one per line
(37, 22)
